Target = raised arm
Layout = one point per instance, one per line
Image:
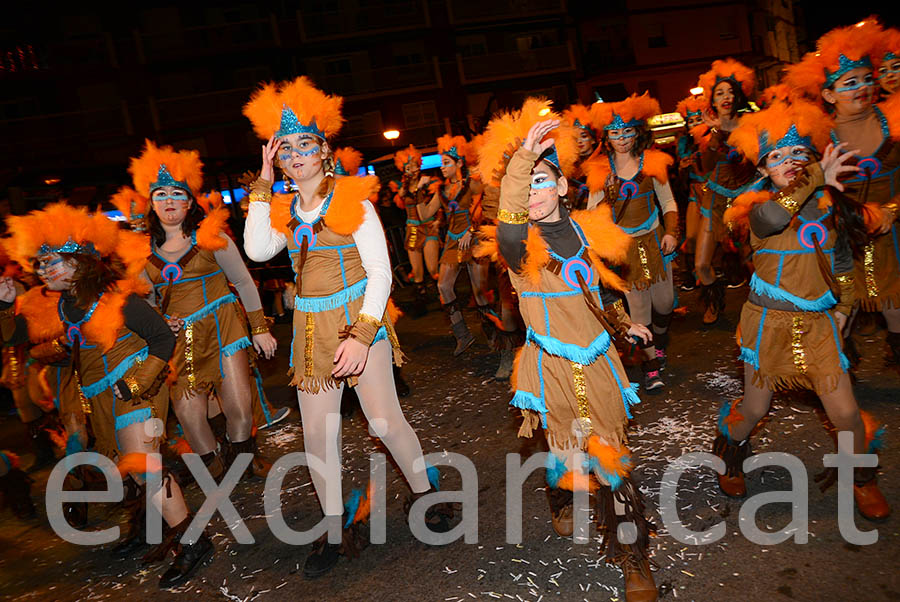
(261, 241)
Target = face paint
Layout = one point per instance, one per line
(178, 197)
(625, 133)
(801, 156)
(863, 84)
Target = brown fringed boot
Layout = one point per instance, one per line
(870, 501)
(460, 329)
(732, 483)
(634, 557)
(712, 296)
(561, 510)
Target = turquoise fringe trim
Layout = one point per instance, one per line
(95, 388)
(877, 442)
(845, 363)
(573, 353)
(654, 217)
(556, 468)
(232, 348)
(380, 335)
(528, 401)
(749, 356)
(135, 417)
(631, 399)
(209, 308)
(761, 287)
(342, 297)
(352, 505)
(434, 476)
(726, 192)
(73, 445)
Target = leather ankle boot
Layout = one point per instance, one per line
(732, 483)
(188, 558)
(561, 511)
(870, 501)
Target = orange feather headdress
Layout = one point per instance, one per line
(781, 125)
(407, 155)
(347, 161)
(164, 166)
(578, 116)
(837, 52)
(728, 70)
(61, 228)
(454, 146)
(506, 132)
(692, 105)
(131, 204)
(627, 113)
(777, 93)
(891, 45)
(294, 107)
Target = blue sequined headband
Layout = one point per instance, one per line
(583, 126)
(694, 113)
(550, 156)
(70, 246)
(618, 123)
(164, 178)
(452, 152)
(339, 169)
(291, 125)
(845, 65)
(791, 138)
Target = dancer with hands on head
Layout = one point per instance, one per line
(568, 378)
(343, 334)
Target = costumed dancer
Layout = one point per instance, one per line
(728, 85)
(422, 241)
(456, 194)
(343, 333)
(578, 116)
(801, 292)
(841, 74)
(119, 344)
(633, 180)
(134, 207)
(568, 377)
(191, 265)
(889, 69)
(689, 172)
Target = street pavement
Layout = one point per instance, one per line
(455, 406)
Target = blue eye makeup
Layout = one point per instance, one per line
(801, 156)
(863, 84)
(620, 136)
(543, 185)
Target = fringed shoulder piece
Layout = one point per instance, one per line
(891, 110)
(607, 243)
(537, 256)
(210, 230)
(280, 212)
(38, 306)
(346, 212)
(656, 165)
(739, 213)
(596, 169)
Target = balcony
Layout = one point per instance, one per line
(478, 11)
(516, 64)
(222, 107)
(387, 81)
(342, 19)
(203, 40)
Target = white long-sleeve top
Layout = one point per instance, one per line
(262, 242)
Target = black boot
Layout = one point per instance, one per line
(438, 518)
(732, 483)
(400, 383)
(460, 329)
(134, 535)
(188, 558)
(688, 280)
(259, 465)
(489, 322)
(41, 444)
(893, 341)
(712, 297)
(661, 323)
(418, 307)
(324, 556)
(15, 486)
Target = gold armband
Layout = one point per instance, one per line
(261, 191)
(787, 201)
(364, 329)
(508, 217)
(258, 322)
(133, 386)
(847, 284)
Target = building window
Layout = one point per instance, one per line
(471, 45)
(656, 36)
(339, 66)
(420, 114)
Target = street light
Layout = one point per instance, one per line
(697, 91)
(391, 134)
(544, 111)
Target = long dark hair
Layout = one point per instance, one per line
(850, 221)
(191, 221)
(642, 141)
(93, 276)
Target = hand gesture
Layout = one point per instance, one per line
(269, 150)
(537, 133)
(265, 345)
(639, 331)
(667, 245)
(175, 324)
(832, 163)
(710, 118)
(7, 290)
(350, 358)
(466, 241)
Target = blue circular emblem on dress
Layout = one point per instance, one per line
(806, 232)
(172, 272)
(304, 231)
(453, 206)
(74, 332)
(628, 188)
(570, 270)
(734, 156)
(870, 166)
